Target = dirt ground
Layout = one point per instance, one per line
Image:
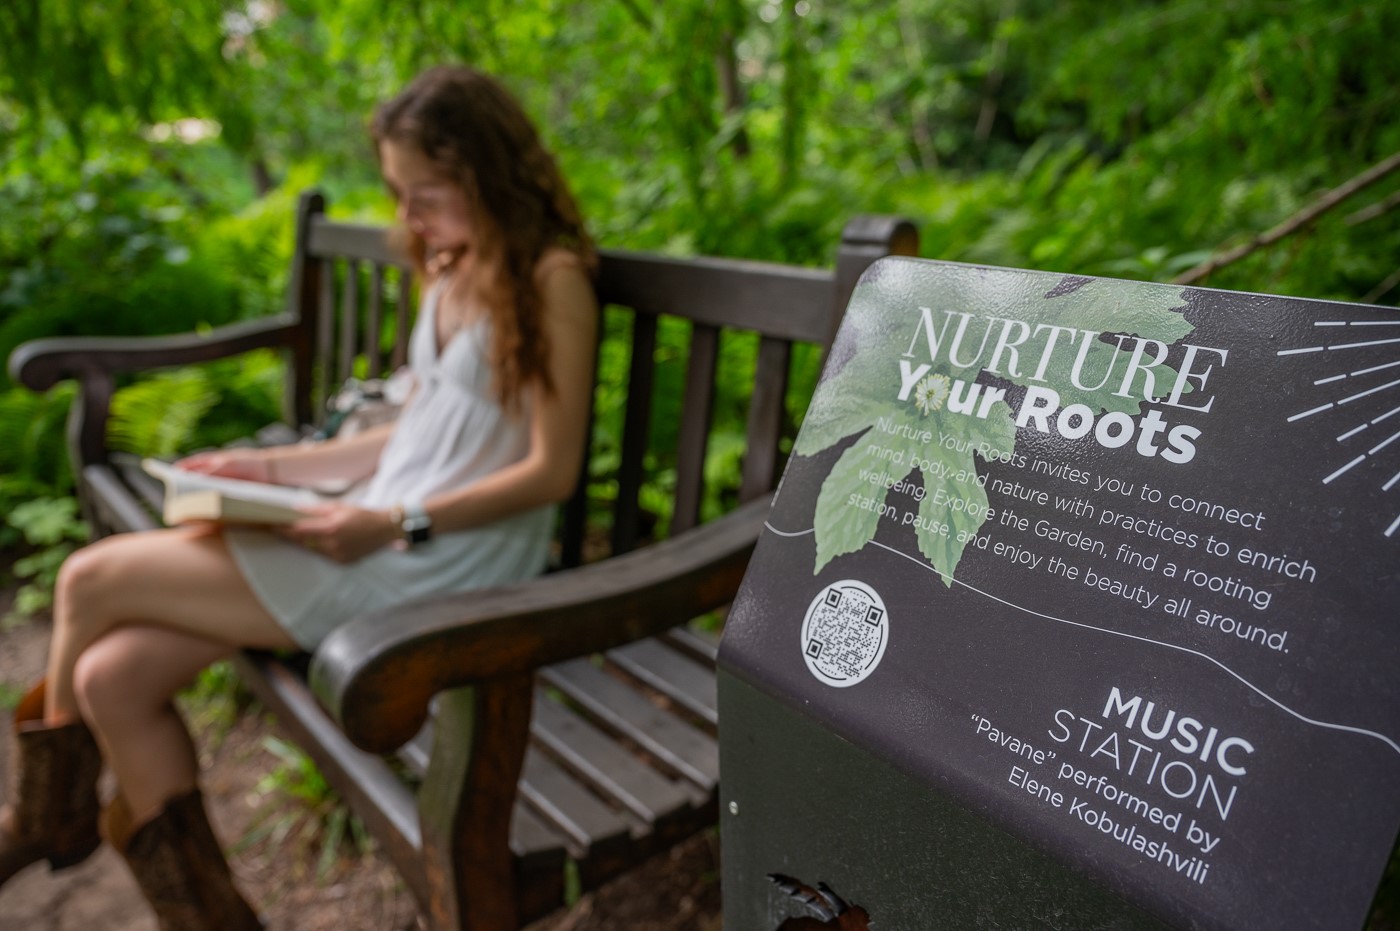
(676, 891)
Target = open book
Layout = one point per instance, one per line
(195, 496)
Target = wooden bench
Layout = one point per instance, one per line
(568, 718)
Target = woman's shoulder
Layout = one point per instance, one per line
(555, 258)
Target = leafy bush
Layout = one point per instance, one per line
(52, 530)
(196, 407)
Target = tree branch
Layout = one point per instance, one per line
(1375, 210)
(1294, 223)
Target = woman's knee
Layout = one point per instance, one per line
(108, 682)
(85, 583)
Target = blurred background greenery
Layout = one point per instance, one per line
(151, 152)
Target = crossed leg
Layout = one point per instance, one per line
(136, 616)
(125, 683)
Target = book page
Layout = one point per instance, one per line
(179, 481)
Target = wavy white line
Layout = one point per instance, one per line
(1171, 646)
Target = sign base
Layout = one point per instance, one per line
(813, 806)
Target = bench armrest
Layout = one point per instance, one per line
(377, 674)
(42, 363)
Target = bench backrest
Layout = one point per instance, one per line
(683, 323)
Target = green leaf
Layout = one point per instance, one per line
(945, 550)
(842, 528)
(47, 521)
(157, 417)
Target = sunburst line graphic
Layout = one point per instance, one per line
(1346, 400)
(1328, 479)
(1370, 423)
(1374, 368)
(1352, 432)
(1361, 345)
(1385, 448)
(1370, 452)
(1316, 410)
(1383, 444)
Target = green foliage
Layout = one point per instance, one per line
(216, 698)
(156, 416)
(41, 522)
(196, 407)
(33, 459)
(51, 530)
(301, 809)
(105, 250)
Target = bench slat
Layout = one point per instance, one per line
(118, 510)
(532, 840)
(780, 300)
(640, 379)
(696, 407)
(678, 745)
(537, 843)
(349, 319)
(340, 239)
(765, 417)
(325, 330)
(373, 353)
(674, 675)
(590, 826)
(149, 490)
(700, 645)
(403, 314)
(609, 768)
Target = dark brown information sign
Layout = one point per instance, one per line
(1112, 565)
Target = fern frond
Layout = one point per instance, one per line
(157, 417)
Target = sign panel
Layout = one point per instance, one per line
(1114, 565)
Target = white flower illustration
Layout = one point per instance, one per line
(930, 393)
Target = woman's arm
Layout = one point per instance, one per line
(559, 422)
(335, 459)
(548, 472)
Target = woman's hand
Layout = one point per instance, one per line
(342, 532)
(248, 464)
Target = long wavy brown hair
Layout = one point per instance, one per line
(477, 134)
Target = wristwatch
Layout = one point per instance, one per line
(414, 523)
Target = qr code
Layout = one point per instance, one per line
(844, 633)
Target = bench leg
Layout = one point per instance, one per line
(465, 804)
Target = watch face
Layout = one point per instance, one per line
(417, 529)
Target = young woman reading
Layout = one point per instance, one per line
(460, 494)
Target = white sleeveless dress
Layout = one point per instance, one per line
(452, 432)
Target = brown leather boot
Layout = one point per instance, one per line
(180, 867)
(52, 806)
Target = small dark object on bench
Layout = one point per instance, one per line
(573, 716)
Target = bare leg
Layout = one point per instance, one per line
(181, 579)
(124, 684)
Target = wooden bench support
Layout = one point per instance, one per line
(466, 800)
